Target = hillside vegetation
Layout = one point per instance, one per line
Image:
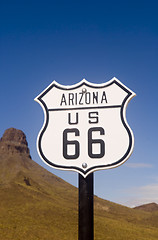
(35, 204)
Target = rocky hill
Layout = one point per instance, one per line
(35, 204)
(150, 207)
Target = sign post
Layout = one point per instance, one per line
(86, 217)
(85, 129)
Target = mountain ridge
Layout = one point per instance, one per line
(149, 207)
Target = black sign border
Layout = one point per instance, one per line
(95, 168)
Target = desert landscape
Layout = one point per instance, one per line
(35, 204)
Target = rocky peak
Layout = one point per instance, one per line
(14, 135)
(14, 141)
(149, 207)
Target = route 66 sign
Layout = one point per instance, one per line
(85, 127)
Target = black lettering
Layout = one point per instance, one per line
(93, 117)
(75, 98)
(71, 99)
(104, 97)
(75, 144)
(95, 97)
(87, 97)
(80, 101)
(92, 142)
(70, 120)
(63, 100)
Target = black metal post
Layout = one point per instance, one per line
(86, 217)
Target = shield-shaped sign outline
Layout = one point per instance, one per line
(84, 82)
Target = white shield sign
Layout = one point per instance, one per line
(85, 127)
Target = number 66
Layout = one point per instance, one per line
(76, 144)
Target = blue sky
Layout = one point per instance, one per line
(66, 41)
